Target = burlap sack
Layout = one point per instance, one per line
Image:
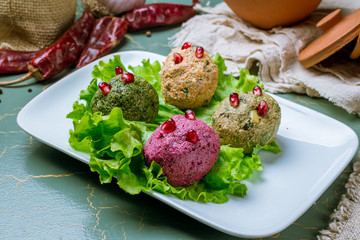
(30, 25)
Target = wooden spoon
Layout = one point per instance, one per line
(338, 32)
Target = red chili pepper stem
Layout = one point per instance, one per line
(33, 73)
(23, 78)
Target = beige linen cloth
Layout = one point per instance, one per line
(345, 221)
(242, 45)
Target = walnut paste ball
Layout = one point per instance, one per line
(189, 77)
(248, 119)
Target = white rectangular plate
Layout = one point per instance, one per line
(315, 149)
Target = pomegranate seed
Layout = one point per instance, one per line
(262, 108)
(118, 70)
(192, 136)
(168, 126)
(257, 91)
(186, 45)
(199, 52)
(128, 77)
(234, 100)
(189, 114)
(104, 87)
(177, 58)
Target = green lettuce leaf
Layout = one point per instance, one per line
(105, 71)
(116, 145)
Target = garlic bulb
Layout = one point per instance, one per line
(119, 6)
(100, 8)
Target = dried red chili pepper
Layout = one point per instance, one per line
(106, 34)
(66, 50)
(158, 14)
(15, 61)
(62, 53)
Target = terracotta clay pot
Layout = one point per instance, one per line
(272, 13)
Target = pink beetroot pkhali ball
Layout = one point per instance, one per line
(186, 149)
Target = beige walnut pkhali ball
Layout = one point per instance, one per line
(189, 77)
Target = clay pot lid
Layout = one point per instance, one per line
(338, 32)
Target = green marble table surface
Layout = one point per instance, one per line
(45, 194)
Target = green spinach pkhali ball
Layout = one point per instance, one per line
(248, 119)
(137, 99)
